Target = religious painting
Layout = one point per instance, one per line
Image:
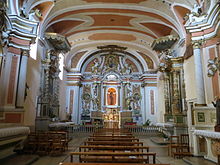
(111, 96)
(201, 116)
(71, 101)
(152, 101)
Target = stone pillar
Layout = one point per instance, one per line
(195, 144)
(22, 79)
(76, 111)
(200, 91)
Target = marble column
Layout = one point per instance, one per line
(76, 110)
(196, 145)
(200, 91)
(21, 91)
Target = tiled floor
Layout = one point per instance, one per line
(161, 150)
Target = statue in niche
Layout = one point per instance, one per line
(137, 101)
(129, 103)
(95, 102)
(111, 96)
(95, 67)
(129, 98)
(129, 91)
(127, 69)
(86, 99)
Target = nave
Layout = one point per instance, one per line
(78, 145)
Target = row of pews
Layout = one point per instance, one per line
(47, 143)
(113, 147)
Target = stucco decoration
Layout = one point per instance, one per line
(75, 59)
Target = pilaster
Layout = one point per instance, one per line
(22, 86)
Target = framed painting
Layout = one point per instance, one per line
(201, 117)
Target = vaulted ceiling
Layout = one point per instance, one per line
(133, 22)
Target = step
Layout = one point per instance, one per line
(160, 140)
(19, 159)
(198, 161)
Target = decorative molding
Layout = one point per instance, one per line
(59, 42)
(208, 134)
(197, 44)
(164, 43)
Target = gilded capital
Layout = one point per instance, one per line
(197, 44)
(25, 53)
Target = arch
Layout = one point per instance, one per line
(90, 56)
(92, 48)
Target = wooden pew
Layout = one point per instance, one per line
(122, 157)
(114, 136)
(118, 143)
(108, 164)
(112, 139)
(114, 148)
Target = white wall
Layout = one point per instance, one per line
(33, 82)
(152, 117)
(189, 77)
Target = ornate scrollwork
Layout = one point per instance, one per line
(213, 66)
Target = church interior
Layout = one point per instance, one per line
(110, 82)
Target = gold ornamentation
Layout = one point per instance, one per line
(25, 53)
(197, 44)
(164, 43)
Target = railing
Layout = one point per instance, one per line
(77, 129)
(143, 130)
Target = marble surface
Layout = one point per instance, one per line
(206, 133)
(13, 131)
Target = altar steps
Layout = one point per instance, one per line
(198, 161)
(19, 159)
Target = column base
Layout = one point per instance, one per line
(200, 105)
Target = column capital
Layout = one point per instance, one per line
(197, 44)
(25, 53)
